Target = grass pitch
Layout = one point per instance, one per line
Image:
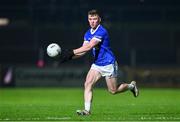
(60, 104)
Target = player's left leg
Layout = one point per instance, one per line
(111, 81)
(114, 88)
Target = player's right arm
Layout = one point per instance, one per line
(76, 53)
(69, 54)
(80, 54)
(85, 47)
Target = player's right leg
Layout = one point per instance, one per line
(83, 112)
(92, 77)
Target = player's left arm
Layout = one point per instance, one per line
(85, 48)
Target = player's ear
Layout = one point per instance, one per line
(99, 19)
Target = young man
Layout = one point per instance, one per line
(104, 65)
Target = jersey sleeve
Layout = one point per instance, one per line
(99, 36)
(85, 38)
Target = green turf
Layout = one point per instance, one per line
(60, 104)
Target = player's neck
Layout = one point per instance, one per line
(93, 30)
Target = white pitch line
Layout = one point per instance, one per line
(58, 118)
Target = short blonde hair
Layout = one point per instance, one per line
(93, 12)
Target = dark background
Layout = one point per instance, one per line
(148, 30)
(143, 33)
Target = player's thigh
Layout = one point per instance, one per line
(92, 77)
(111, 83)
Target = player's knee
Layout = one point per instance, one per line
(88, 84)
(112, 91)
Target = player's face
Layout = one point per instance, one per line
(94, 21)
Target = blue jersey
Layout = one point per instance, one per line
(102, 52)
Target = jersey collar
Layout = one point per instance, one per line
(93, 31)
